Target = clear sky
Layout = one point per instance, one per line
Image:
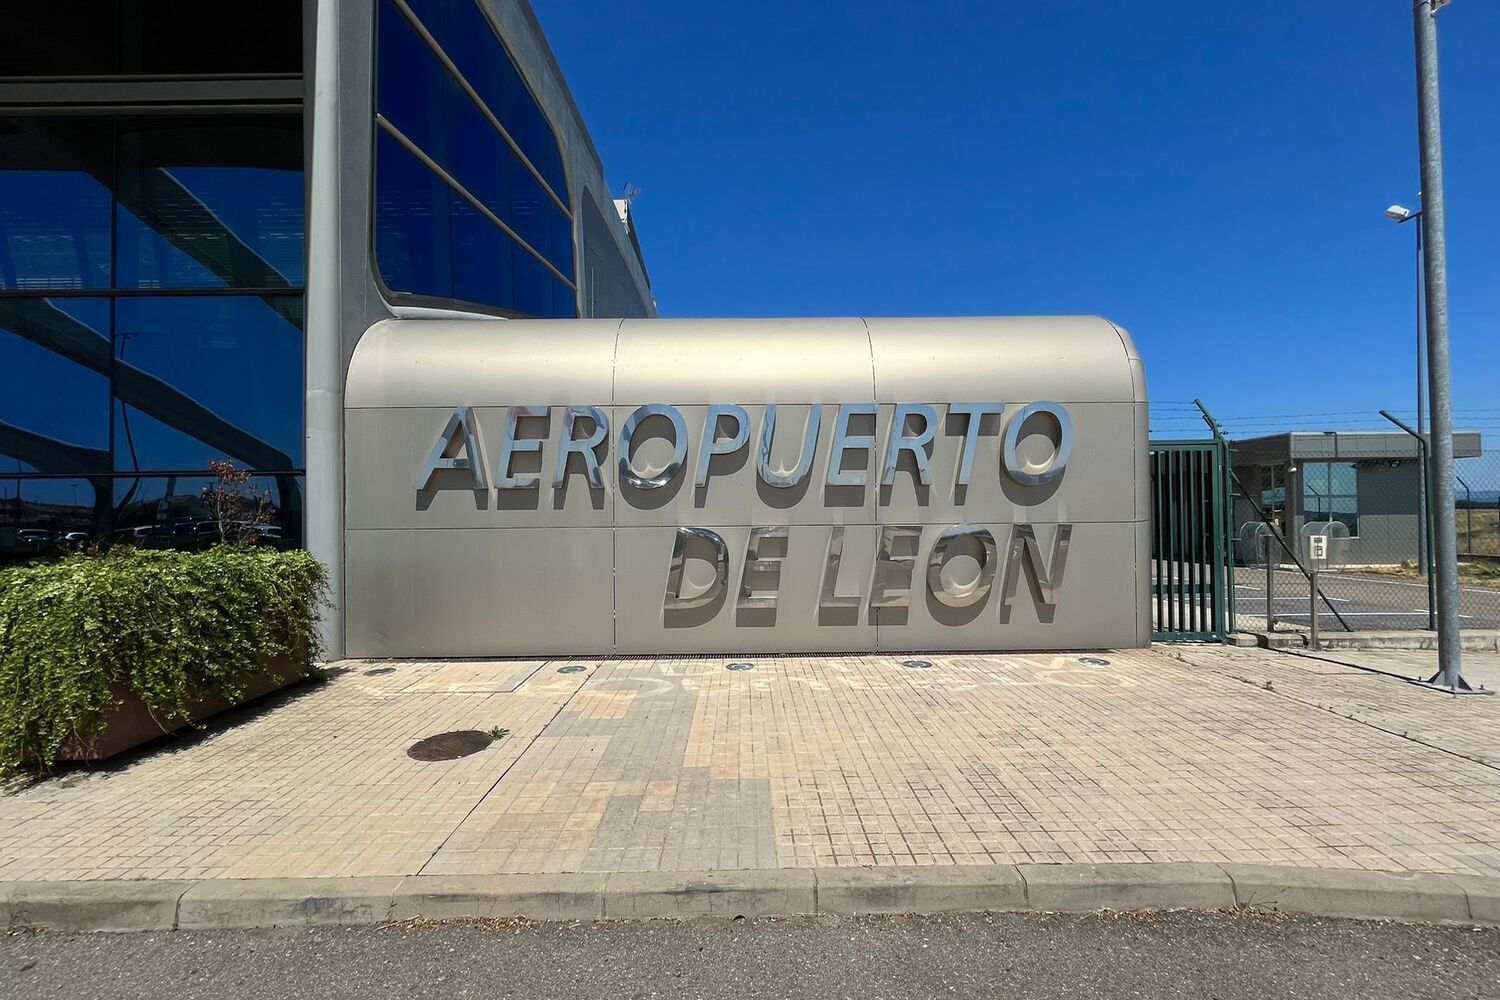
(1211, 175)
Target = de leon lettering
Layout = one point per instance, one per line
(810, 465)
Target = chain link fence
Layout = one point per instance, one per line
(1364, 494)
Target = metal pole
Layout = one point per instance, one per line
(1312, 607)
(1226, 477)
(1435, 268)
(1425, 529)
(1424, 536)
(1468, 512)
(1421, 347)
(1270, 588)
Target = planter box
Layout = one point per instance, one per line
(130, 723)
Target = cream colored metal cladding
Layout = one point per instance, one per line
(642, 486)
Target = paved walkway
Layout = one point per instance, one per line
(675, 764)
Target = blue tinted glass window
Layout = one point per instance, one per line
(412, 223)
(538, 291)
(430, 240)
(54, 203)
(470, 41)
(205, 204)
(564, 301)
(536, 219)
(477, 155)
(527, 125)
(48, 517)
(174, 512)
(205, 378)
(480, 160)
(54, 385)
(482, 258)
(411, 83)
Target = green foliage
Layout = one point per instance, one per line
(170, 626)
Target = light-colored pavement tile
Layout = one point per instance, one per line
(1360, 685)
(1175, 754)
(319, 784)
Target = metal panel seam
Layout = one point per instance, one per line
(870, 343)
(614, 517)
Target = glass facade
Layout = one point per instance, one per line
(471, 196)
(151, 305)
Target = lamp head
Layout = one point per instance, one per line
(1399, 213)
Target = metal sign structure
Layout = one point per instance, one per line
(650, 486)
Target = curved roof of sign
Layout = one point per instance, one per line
(448, 362)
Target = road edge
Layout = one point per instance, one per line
(206, 904)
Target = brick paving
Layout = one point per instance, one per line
(1174, 754)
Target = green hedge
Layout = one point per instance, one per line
(172, 626)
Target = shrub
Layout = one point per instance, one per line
(170, 626)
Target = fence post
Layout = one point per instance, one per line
(1270, 587)
(1312, 607)
(1222, 532)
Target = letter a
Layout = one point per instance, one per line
(470, 458)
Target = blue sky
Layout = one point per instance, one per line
(1210, 175)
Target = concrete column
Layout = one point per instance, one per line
(324, 359)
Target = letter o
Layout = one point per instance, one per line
(679, 446)
(1030, 475)
(977, 591)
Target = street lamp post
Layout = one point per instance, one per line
(1435, 272)
(1400, 214)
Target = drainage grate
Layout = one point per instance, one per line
(917, 664)
(380, 671)
(739, 666)
(449, 746)
(571, 668)
(1094, 661)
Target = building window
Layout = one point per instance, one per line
(123, 38)
(151, 300)
(1330, 493)
(471, 198)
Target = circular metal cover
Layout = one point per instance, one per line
(1094, 661)
(739, 666)
(571, 668)
(449, 746)
(917, 664)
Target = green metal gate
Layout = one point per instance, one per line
(1192, 571)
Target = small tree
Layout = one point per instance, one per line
(238, 505)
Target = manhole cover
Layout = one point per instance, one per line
(739, 666)
(571, 668)
(380, 671)
(449, 746)
(917, 664)
(1094, 661)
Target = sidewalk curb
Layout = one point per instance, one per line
(1471, 640)
(1072, 888)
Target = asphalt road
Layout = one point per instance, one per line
(1219, 955)
(1366, 600)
